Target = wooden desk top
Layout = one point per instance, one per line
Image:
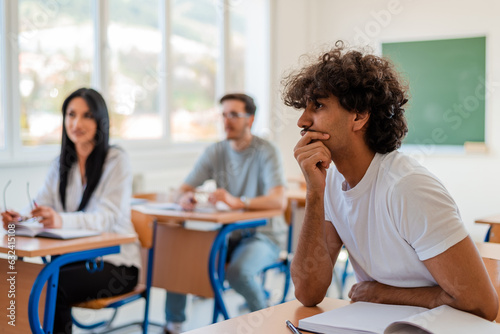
(296, 194)
(222, 217)
(272, 319)
(489, 250)
(489, 220)
(30, 247)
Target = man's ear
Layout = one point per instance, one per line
(250, 121)
(361, 120)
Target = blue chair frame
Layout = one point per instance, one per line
(283, 265)
(217, 262)
(487, 237)
(50, 275)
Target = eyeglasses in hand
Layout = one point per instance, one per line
(32, 202)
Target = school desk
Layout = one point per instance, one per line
(494, 222)
(30, 278)
(271, 319)
(183, 255)
(296, 198)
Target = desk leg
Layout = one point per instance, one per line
(50, 274)
(216, 267)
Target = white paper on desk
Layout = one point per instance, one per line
(359, 317)
(205, 208)
(57, 233)
(200, 207)
(164, 206)
(137, 201)
(444, 320)
(222, 206)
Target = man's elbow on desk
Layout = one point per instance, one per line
(482, 303)
(486, 308)
(307, 299)
(308, 295)
(492, 311)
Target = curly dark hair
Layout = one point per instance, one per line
(362, 83)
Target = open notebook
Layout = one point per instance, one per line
(371, 318)
(33, 228)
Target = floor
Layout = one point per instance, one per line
(199, 310)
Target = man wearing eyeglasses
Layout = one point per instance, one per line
(249, 175)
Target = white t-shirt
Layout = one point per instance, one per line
(397, 216)
(108, 209)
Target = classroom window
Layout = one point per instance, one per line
(160, 65)
(248, 66)
(195, 48)
(2, 80)
(2, 117)
(55, 58)
(135, 44)
(237, 46)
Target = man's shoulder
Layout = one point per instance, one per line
(263, 144)
(398, 165)
(217, 147)
(404, 174)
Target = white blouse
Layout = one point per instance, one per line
(108, 209)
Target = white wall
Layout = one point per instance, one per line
(472, 179)
(293, 35)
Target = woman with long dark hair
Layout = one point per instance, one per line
(89, 186)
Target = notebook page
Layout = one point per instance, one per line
(447, 320)
(360, 317)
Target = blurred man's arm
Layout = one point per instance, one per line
(185, 197)
(274, 199)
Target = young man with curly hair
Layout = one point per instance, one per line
(403, 231)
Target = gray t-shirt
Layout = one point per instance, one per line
(250, 173)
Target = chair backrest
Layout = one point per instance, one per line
(144, 227)
(490, 252)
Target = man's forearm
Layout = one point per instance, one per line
(275, 199)
(312, 266)
(267, 202)
(429, 297)
(375, 292)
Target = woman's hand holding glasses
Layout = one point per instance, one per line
(47, 216)
(43, 214)
(9, 217)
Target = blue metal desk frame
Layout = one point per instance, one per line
(50, 274)
(217, 262)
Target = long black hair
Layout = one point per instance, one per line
(95, 161)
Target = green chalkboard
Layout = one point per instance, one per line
(447, 89)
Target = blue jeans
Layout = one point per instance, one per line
(252, 254)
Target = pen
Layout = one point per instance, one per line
(292, 328)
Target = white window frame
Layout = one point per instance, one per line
(17, 154)
(3, 87)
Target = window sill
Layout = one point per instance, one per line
(137, 150)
